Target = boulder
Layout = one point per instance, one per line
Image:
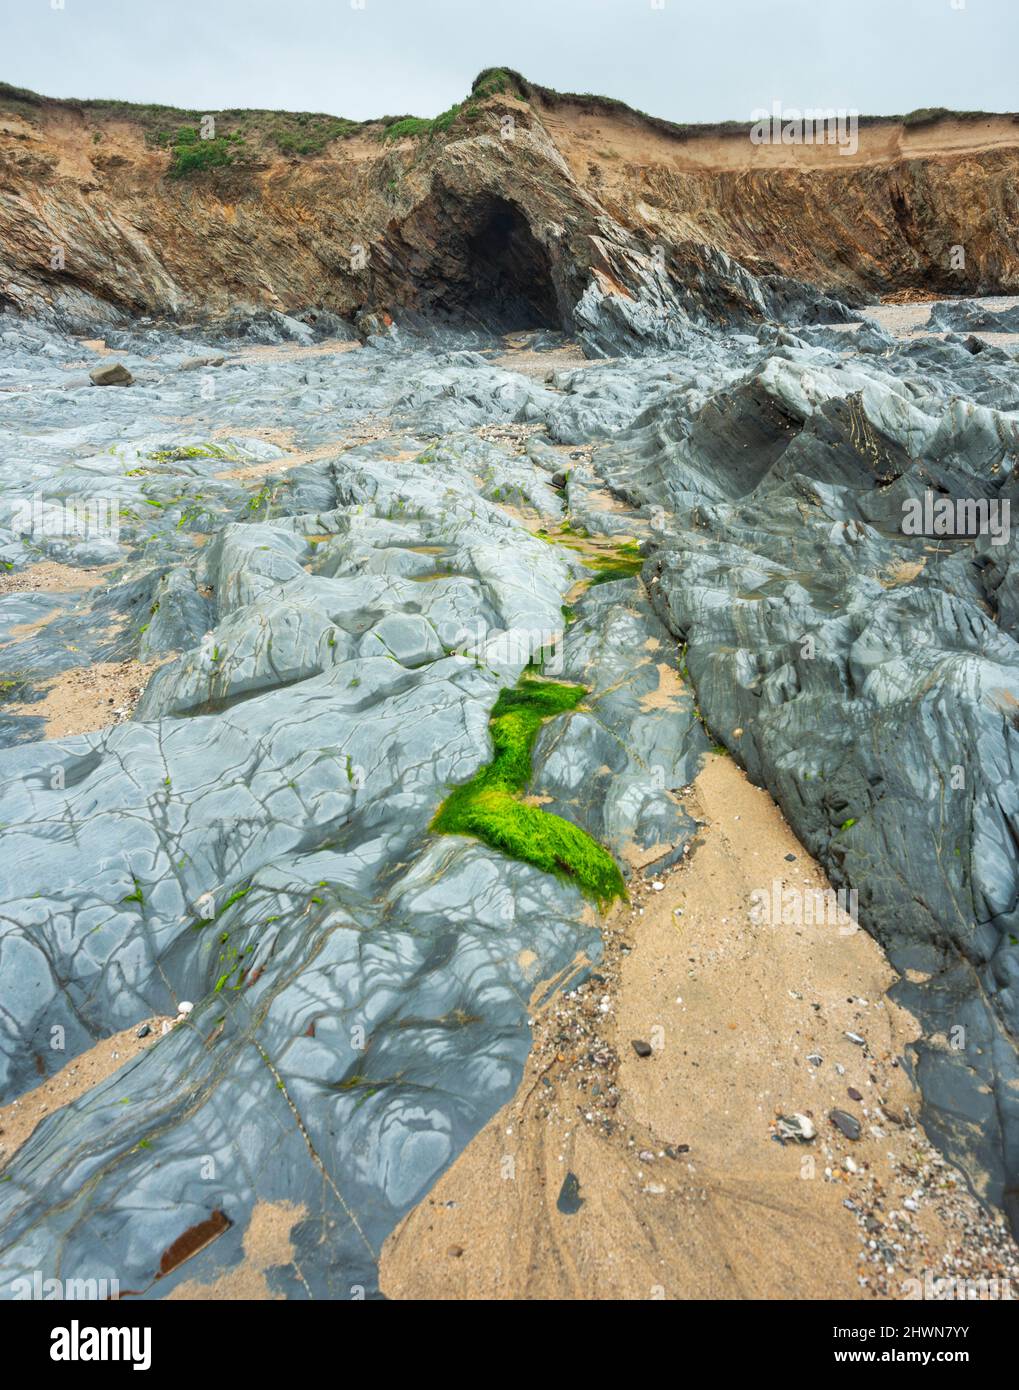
(110, 374)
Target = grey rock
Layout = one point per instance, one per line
(847, 1124)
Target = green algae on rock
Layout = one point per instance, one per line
(488, 806)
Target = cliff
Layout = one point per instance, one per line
(512, 205)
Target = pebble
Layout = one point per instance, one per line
(848, 1124)
(569, 1200)
(796, 1127)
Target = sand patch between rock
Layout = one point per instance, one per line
(684, 1190)
(19, 1118)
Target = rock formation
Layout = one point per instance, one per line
(558, 198)
(340, 555)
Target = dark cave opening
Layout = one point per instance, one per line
(487, 269)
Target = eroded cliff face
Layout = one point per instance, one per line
(516, 211)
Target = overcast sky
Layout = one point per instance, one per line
(689, 60)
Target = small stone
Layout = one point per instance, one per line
(191, 364)
(795, 1128)
(642, 1048)
(143, 1031)
(790, 858)
(569, 1200)
(855, 1038)
(185, 1007)
(455, 1251)
(848, 1124)
(853, 1093)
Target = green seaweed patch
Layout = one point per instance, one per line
(623, 563)
(489, 808)
(182, 452)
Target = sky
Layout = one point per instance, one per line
(687, 60)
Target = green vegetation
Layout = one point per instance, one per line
(233, 898)
(491, 82)
(13, 684)
(253, 133)
(190, 154)
(418, 126)
(488, 806)
(309, 135)
(263, 498)
(930, 115)
(624, 564)
(182, 453)
(137, 896)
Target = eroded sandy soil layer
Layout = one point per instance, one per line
(506, 212)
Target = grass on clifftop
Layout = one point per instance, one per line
(258, 132)
(488, 806)
(489, 83)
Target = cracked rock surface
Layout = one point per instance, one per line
(336, 620)
(340, 567)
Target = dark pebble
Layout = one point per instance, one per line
(848, 1124)
(641, 1048)
(570, 1201)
